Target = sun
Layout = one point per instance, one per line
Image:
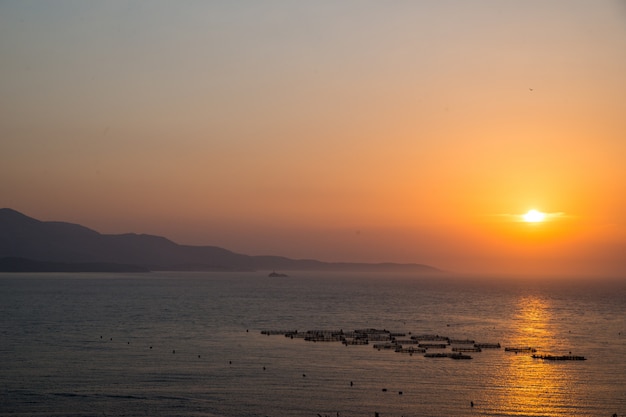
(534, 216)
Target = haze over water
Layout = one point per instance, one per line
(190, 344)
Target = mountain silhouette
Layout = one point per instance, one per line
(31, 244)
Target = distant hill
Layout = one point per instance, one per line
(10, 264)
(28, 244)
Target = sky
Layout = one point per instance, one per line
(360, 131)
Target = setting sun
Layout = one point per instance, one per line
(534, 216)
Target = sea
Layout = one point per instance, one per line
(214, 344)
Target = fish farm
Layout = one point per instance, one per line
(428, 345)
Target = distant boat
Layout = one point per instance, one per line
(275, 274)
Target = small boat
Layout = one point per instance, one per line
(275, 274)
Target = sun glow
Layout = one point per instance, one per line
(534, 216)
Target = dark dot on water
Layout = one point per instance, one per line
(198, 355)
(100, 337)
(264, 368)
(111, 339)
(174, 351)
(399, 392)
(128, 343)
(230, 362)
(150, 347)
(384, 389)
(303, 375)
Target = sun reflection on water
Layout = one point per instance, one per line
(526, 386)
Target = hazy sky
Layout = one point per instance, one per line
(370, 131)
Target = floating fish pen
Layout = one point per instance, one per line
(324, 336)
(386, 340)
(295, 334)
(372, 331)
(430, 338)
(433, 345)
(379, 337)
(466, 349)
(459, 356)
(447, 355)
(373, 335)
(487, 345)
(525, 349)
(355, 341)
(560, 357)
(380, 346)
(410, 350)
(436, 355)
(324, 331)
(461, 342)
(278, 332)
(407, 342)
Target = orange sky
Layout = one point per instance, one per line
(351, 131)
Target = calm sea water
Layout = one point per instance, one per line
(190, 344)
